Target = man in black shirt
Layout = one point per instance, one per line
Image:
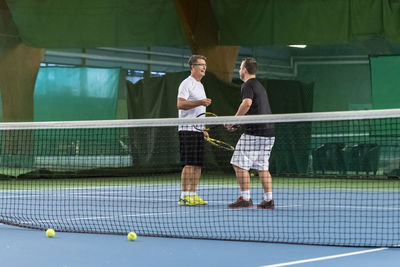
(254, 146)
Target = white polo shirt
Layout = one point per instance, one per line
(191, 90)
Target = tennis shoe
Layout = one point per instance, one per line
(270, 205)
(240, 203)
(186, 201)
(196, 200)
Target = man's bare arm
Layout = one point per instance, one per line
(186, 104)
(244, 107)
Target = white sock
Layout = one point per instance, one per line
(268, 196)
(183, 194)
(246, 195)
(192, 194)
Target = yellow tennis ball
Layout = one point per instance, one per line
(252, 174)
(50, 233)
(132, 236)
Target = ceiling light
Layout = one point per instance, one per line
(298, 46)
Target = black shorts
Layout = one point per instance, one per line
(191, 148)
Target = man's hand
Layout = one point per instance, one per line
(206, 102)
(206, 134)
(231, 127)
(228, 126)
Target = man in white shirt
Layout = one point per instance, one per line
(192, 101)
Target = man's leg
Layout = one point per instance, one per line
(190, 178)
(195, 178)
(186, 184)
(266, 181)
(243, 178)
(185, 178)
(196, 199)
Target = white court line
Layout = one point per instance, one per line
(140, 215)
(128, 215)
(119, 216)
(99, 196)
(325, 258)
(178, 188)
(354, 207)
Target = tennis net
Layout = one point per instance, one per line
(335, 179)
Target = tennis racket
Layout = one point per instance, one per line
(219, 143)
(215, 142)
(205, 127)
(209, 127)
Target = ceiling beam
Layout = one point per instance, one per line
(199, 22)
(3, 4)
(202, 32)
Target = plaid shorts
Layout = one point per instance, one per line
(253, 152)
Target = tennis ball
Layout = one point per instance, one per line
(252, 174)
(132, 236)
(50, 233)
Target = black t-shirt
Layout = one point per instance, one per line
(254, 90)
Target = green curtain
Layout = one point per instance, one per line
(65, 94)
(284, 22)
(338, 87)
(292, 146)
(94, 23)
(123, 23)
(158, 148)
(385, 82)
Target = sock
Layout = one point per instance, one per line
(268, 196)
(192, 194)
(246, 195)
(183, 194)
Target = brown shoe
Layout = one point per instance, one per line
(240, 203)
(266, 205)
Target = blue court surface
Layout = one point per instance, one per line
(310, 216)
(20, 247)
(331, 216)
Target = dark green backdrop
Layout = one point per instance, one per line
(156, 98)
(385, 80)
(123, 23)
